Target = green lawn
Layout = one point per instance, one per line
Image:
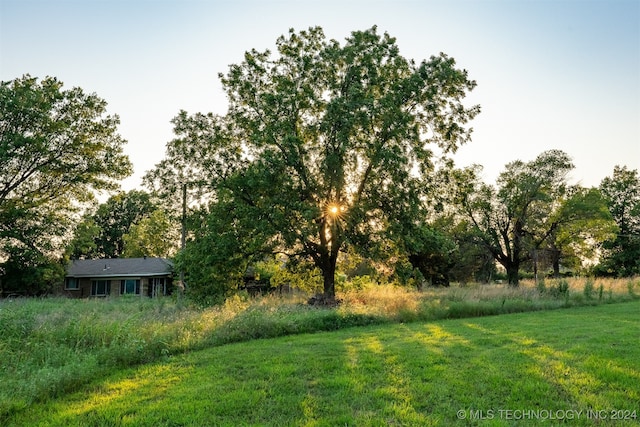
(565, 367)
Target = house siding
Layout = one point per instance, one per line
(153, 275)
(85, 285)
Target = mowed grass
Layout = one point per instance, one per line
(579, 366)
(51, 347)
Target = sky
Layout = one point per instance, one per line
(551, 74)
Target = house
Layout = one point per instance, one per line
(118, 276)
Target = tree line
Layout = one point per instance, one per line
(332, 161)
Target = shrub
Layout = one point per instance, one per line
(588, 289)
(560, 289)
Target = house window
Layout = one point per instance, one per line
(100, 287)
(130, 287)
(158, 286)
(72, 283)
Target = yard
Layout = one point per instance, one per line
(67, 362)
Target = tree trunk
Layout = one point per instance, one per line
(555, 260)
(326, 262)
(327, 265)
(513, 268)
(556, 264)
(513, 263)
(328, 279)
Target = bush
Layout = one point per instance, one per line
(588, 289)
(560, 289)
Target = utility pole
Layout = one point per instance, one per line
(183, 236)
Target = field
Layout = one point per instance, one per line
(65, 362)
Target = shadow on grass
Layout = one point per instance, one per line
(575, 363)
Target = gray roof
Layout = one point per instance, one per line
(119, 267)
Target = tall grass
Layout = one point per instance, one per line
(52, 346)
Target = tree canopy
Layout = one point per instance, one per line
(534, 214)
(324, 144)
(525, 211)
(581, 224)
(56, 148)
(101, 234)
(621, 191)
(154, 235)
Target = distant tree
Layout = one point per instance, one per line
(432, 253)
(101, 234)
(517, 217)
(323, 145)
(580, 225)
(445, 238)
(621, 256)
(28, 272)
(83, 244)
(154, 235)
(56, 147)
(471, 261)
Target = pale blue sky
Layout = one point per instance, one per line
(551, 74)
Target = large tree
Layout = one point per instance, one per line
(622, 193)
(324, 144)
(56, 148)
(516, 217)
